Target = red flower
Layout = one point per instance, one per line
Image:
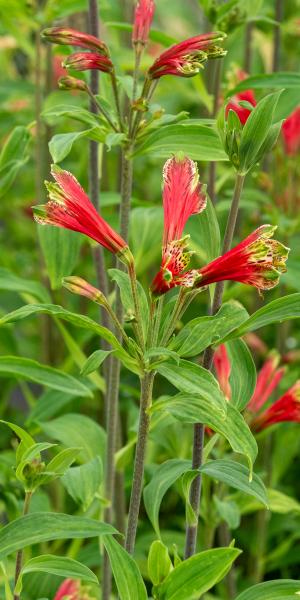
(223, 369)
(185, 59)
(245, 96)
(257, 261)
(143, 16)
(60, 35)
(83, 61)
(287, 408)
(268, 380)
(70, 207)
(69, 590)
(183, 196)
(291, 133)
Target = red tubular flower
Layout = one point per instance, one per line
(183, 196)
(185, 59)
(291, 133)
(83, 61)
(223, 369)
(245, 96)
(69, 590)
(257, 261)
(287, 408)
(72, 37)
(143, 17)
(268, 380)
(70, 207)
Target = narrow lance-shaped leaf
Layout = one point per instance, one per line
(128, 579)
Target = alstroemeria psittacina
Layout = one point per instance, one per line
(72, 37)
(183, 196)
(71, 589)
(69, 207)
(286, 408)
(186, 58)
(143, 16)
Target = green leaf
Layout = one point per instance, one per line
(159, 562)
(243, 373)
(42, 527)
(13, 283)
(123, 282)
(201, 332)
(8, 592)
(208, 232)
(192, 379)
(191, 137)
(282, 503)
(61, 144)
(26, 439)
(59, 111)
(237, 476)
(197, 409)
(128, 579)
(197, 574)
(80, 431)
(164, 476)
(13, 156)
(31, 370)
(283, 589)
(94, 361)
(56, 565)
(146, 224)
(277, 311)
(83, 482)
(77, 320)
(228, 511)
(255, 131)
(268, 80)
(63, 460)
(60, 250)
(49, 405)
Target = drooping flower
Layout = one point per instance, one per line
(245, 96)
(72, 37)
(69, 207)
(183, 196)
(291, 133)
(186, 58)
(143, 16)
(223, 369)
(268, 379)
(258, 261)
(69, 590)
(84, 61)
(286, 408)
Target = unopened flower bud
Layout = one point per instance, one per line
(71, 83)
(80, 286)
(63, 36)
(84, 61)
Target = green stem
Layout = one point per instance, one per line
(195, 495)
(117, 99)
(139, 461)
(177, 311)
(101, 110)
(137, 309)
(19, 558)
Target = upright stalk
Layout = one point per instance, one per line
(277, 35)
(195, 495)
(19, 559)
(248, 47)
(139, 461)
(216, 93)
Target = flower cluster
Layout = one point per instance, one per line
(286, 408)
(186, 58)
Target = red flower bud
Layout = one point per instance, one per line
(223, 369)
(84, 61)
(71, 83)
(291, 133)
(71, 37)
(143, 16)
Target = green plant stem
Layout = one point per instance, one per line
(101, 110)
(177, 310)
(212, 166)
(277, 35)
(138, 55)
(19, 558)
(137, 310)
(195, 495)
(139, 461)
(117, 99)
(248, 47)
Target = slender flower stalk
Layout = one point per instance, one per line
(19, 559)
(195, 494)
(139, 461)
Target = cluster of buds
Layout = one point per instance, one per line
(186, 58)
(69, 207)
(286, 408)
(96, 57)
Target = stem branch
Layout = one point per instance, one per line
(19, 559)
